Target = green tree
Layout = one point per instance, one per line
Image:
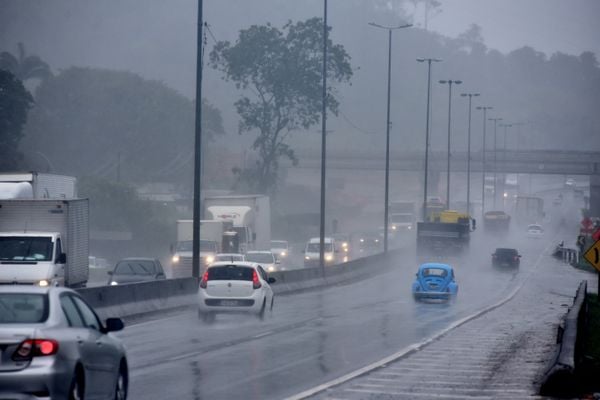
(24, 66)
(280, 72)
(114, 123)
(15, 101)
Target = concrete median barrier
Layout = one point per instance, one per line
(145, 297)
(560, 379)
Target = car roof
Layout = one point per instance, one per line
(506, 249)
(137, 259)
(435, 265)
(31, 289)
(236, 263)
(230, 254)
(259, 252)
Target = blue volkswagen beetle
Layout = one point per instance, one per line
(434, 281)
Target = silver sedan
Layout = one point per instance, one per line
(53, 345)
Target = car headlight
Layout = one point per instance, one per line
(210, 259)
(271, 268)
(43, 283)
(306, 257)
(328, 257)
(345, 244)
(393, 227)
(345, 258)
(410, 227)
(175, 259)
(114, 283)
(283, 254)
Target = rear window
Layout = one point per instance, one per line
(230, 273)
(23, 308)
(435, 272)
(507, 252)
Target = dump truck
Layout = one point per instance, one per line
(445, 233)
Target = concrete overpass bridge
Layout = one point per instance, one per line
(547, 162)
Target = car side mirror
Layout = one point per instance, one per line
(337, 251)
(303, 251)
(113, 325)
(62, 258)
(160, 274)
(109, 272)
(271, 280)
(171, 248)
(519, 256)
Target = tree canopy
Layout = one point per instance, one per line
(109, 123)
(280, 73)
(24, 66)
(15, 101)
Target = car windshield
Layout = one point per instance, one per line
(25, 248)
(534, 228)
(314, 247)
(435, 272)
(402, 218)
(135, 267)
(278, 244)
(205, 245)
(28, 308)
(230, 273)
(260, 257)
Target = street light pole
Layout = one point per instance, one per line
(471, 95)
(323, 143)
(484, 108)
(197, 152)
(495, 155)
(429, 61)
(387, 131)
(449, 82)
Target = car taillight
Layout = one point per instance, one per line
(35, 348)
(516, 258)
(255, 282)
(204, 280)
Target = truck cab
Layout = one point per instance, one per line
(34, 258)
(312, 252)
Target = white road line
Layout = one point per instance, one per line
(262, 334)
(417, 346)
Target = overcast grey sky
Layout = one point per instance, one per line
(569, 26)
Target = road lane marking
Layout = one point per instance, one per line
(413, 348)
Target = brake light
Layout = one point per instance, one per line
(35, 348)
(255, 282)
(204, 280)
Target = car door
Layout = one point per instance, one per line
(267, 287)
(103, 355)
(80, 336)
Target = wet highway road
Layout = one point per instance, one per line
(310, 337)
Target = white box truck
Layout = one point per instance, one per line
(37, 185)
(44, 242)
(250, 215)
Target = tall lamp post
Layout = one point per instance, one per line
(387, 130)
(197, 152)
(429, 61)
(484, 108)
(470, 95)
(323, 143)
(449, 82)
(495, 154)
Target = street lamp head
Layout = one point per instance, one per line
(484, 107)
(389, 27)
(464, 94)
(429, 59)
(443, 82)
(476, 94)
(458, 82)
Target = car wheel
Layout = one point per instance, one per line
(121, 386)
(77, 387)
(261, 313)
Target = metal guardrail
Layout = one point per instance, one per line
(560, 379)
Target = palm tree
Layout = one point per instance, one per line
(24, 67)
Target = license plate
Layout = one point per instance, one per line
(229, 303)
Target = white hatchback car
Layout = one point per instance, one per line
(234, 287)
(535, 231)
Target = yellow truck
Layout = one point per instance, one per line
(444, 233)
